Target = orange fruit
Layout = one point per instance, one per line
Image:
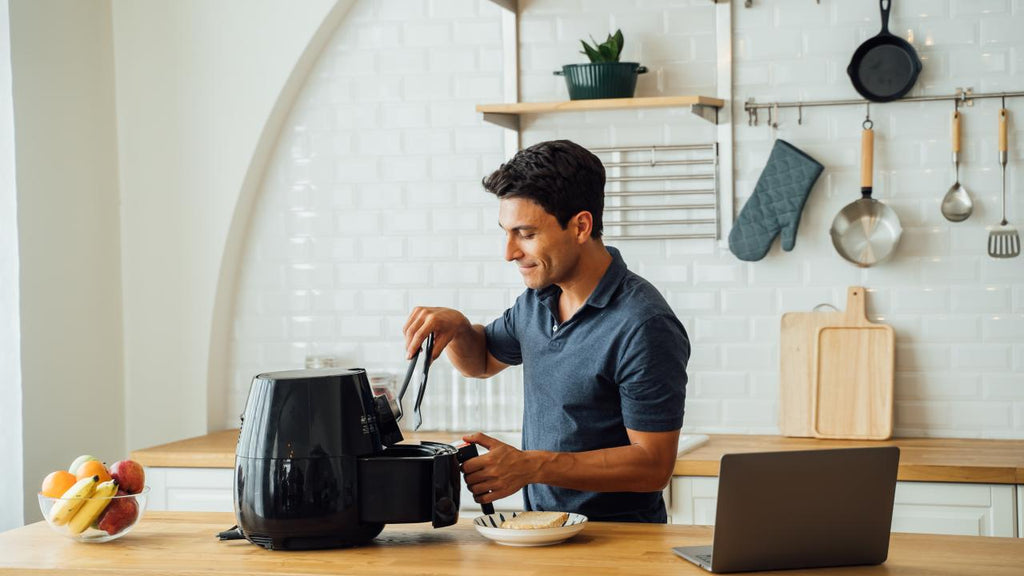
(57, 483)
(93, 468)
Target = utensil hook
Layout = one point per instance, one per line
(800, 114)
(868, 124)
(774, 124)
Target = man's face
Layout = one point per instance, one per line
(546, 254)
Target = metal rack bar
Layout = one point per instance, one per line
(654, 148)
(666, 207)
(659, 163)
(661, 192)
(662, 222)
(661, 236)
(660, 178)
(965, 96)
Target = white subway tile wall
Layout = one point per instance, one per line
(372, 202)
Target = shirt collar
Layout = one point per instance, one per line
(605, 288)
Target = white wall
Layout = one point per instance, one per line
(62, 63)
(11, 506)
(372, 201)
(197, 84)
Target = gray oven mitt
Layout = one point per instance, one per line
(776, 203)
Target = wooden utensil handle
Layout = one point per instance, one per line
(956, 131)
(1002, 129)
(856, 305)
(867, 153)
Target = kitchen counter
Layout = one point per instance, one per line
(184, 543)
(921, 459)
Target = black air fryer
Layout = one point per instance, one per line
(318, 464)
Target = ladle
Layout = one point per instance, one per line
(957, 204)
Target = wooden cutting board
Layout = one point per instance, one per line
(797, 337)
(852, 379)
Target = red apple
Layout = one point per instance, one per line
(130, 475)
(120, 514)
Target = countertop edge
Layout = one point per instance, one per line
(216, 450)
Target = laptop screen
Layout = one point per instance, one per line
(802, 509)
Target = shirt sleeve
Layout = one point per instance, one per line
(502, 338)
(652, 375)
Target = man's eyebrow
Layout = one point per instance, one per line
(517, 228)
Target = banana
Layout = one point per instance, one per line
(72, 500)
(92, 508)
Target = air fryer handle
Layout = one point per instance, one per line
(465, 452)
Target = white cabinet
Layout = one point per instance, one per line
(922, 507)
(961, 509)
(209, 490)
(190, 489)
(693, 500)
(1020, 511)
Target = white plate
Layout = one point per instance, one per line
(488, 526)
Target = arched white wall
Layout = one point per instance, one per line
(198, 85)
(11, 505)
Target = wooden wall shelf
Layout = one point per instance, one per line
(507, 115)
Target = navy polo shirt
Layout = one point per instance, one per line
(619, 362)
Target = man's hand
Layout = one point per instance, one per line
(499, 473)
(445, 323)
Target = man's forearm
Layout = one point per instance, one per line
(630, 468)
(468, 352)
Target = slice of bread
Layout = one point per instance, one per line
(535, 520)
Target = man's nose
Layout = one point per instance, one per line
(512, 251)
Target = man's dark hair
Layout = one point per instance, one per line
(561, 176)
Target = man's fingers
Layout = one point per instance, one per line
(482, 439)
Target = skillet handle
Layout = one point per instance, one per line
(867, 153)
(885, 5)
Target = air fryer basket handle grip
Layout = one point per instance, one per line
(466, 452)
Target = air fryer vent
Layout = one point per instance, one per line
(264, 541)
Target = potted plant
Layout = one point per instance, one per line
(604, 76)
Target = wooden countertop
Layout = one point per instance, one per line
(183, 543)
(921, 459)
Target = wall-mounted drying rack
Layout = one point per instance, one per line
(660, 192)
(963, 97)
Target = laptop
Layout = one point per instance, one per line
(803, 509)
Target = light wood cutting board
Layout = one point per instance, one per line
(797, 337)
(854, 364)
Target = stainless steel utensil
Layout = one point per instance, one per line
(957, 204)
(866, 231)
(428, 358)
(428, 350)
(1004, 241)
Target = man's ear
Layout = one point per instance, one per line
(583, 225)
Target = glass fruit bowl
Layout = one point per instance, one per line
(99, 519)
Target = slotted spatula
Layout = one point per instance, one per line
(1003, 241)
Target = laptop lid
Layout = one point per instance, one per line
(804, 509)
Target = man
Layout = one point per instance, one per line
(604, 357)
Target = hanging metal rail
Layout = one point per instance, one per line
(636, 174)
(963, 97)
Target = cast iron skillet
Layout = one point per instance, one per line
(885, 67)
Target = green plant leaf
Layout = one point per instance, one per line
(607, 53)
(619, 43)
(591, 53)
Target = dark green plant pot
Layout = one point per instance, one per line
(601, 79)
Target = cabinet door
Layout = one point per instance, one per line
(954, 508)
(468, 508)
(920, 507)
(190, 489)
(1020, 511)
(694, 500)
